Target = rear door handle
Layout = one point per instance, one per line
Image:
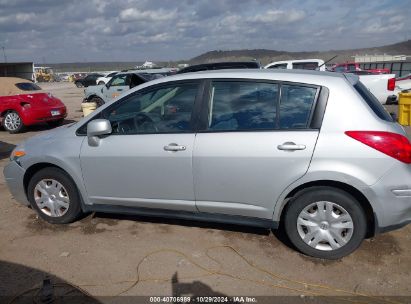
(290, 146)
(173, 147)
(119, 90)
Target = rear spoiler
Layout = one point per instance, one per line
(352, 78)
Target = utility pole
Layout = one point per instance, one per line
(4, 54)
(5, 61)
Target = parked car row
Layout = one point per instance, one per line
(121, 82)
(259, 147)
(89, 80)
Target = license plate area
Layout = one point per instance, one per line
(55, 112)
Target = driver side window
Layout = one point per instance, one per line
(118, 81)
(166, 109)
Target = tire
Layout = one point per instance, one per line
(55, 123)
(43, 185)
(79, 84)
(97, 100)
(101, 83)
(323, 238)
(12, 122)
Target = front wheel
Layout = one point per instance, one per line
(12, 122)
(79, 84)
(54, 196)
(325, 222)
(101, 83)
(99, 102)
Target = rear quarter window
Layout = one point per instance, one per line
(27, 86)
(373, 102)
(296, 106)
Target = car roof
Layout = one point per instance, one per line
(301, 76)
(146, 71)
(221, 65)
(8, 86)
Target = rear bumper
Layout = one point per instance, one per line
(14, 175)
(38, 115)
(391, 199)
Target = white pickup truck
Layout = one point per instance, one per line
(382, 85)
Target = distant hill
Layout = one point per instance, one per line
(263, 55)
(266, 56)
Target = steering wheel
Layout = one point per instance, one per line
(143, 118)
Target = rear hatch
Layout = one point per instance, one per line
(42, 99)
(393, 140)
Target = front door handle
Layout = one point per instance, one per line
(173, 147)
(119, 90)
(290, 146)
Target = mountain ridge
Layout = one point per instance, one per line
(266, 55)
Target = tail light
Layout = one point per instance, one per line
(391, 84)
(391, 144)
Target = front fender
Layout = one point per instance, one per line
(63, 157)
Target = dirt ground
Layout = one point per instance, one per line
(104, 255)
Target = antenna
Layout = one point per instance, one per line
(326, 62)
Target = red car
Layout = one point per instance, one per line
(23, 103)
(355, 66)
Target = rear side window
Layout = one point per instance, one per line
(237, 106)
(305, 65)
(278, 66)
(295, 106)
(372, 102)
(28, 86)
(253, 106)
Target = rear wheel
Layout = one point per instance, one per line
(54, 196)
(79, 84)
(101, 83)
(325, 222)
(12, 122)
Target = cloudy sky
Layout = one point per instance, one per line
(136, 30)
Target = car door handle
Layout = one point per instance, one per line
(173, 147)
(290, 146)
(119, 90)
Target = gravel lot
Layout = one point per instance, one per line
(100, 254)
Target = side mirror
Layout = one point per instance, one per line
(97, 128)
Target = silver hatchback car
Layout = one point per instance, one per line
(312, 151)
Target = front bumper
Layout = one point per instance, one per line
(14, 175)
(391, 198)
